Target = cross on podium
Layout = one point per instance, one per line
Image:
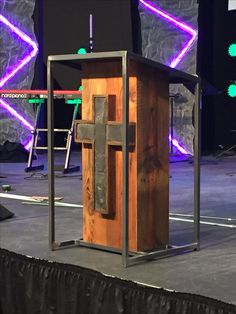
(102, 133)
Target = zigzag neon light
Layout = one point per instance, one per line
(181, 25)
(177, 59)
(178, 146)
(16, 68)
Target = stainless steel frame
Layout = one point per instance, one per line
(175, 76)
(34, 147)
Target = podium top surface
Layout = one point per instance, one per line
(73, 60)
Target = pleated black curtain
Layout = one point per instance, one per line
(30, 286)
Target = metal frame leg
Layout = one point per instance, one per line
(197, 156)
(171, 123)
(53, 245)
(51, 184)
(125, 162)
(34, 143)
(127, 257)
(68, 144)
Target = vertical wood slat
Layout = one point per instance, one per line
(148, 160)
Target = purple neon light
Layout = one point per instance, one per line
(177, 59)
(183, 26)
(17, 67)
(29, 144)
(178, 146)
(27, 59)
(14, 113)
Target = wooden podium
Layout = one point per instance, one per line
(100, 132)
(124, 136)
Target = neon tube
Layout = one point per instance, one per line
(177, 59)
(16, 68)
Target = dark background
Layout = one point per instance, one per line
(216, 31)
(63, 29)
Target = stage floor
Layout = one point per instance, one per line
(210, 272)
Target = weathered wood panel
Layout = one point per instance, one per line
(148, 159)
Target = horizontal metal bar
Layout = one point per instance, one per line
(55, 130)
(142, 256)
(88, 56)
(65, 244)
(103, 248)
(40, 147)
(135, 257)
(174, 73)
(45, 147)
(99, 247)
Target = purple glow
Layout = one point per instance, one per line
(178, 146)
(13, 112)
(180, 56)
(29, 144)
(10, 75)
(193, 33)
(183, 26)
(26, 60)
(17, 68)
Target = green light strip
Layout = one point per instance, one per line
(74, 101)
(36, 101)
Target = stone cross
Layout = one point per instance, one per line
(100, 133)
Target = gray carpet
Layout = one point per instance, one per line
(209, 272)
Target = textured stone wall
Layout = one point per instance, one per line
(19, 13)
(160, 42)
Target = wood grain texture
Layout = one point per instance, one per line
(100, 229)
(148, 159)
(153, 158)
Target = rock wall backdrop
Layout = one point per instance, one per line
(12, 51)
(160, 42)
